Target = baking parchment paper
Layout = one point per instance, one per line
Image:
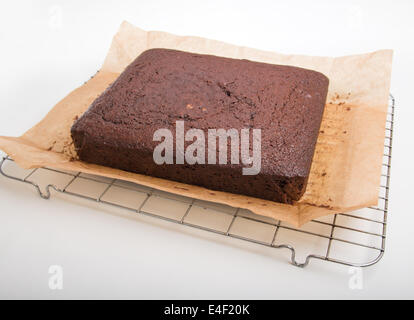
(346, 169)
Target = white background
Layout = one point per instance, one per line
(47, 48)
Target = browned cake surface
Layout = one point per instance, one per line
(162, 86)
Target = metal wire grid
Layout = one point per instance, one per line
(227, 221)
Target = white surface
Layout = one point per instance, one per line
(48, 48)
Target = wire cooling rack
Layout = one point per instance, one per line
(354, 239)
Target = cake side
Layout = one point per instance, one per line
(164, 86)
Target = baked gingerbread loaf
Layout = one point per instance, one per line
(162, 86)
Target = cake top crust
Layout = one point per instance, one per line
(162, 86)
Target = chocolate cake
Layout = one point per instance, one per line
(161, 87)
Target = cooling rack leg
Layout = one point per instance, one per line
(45, 195)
